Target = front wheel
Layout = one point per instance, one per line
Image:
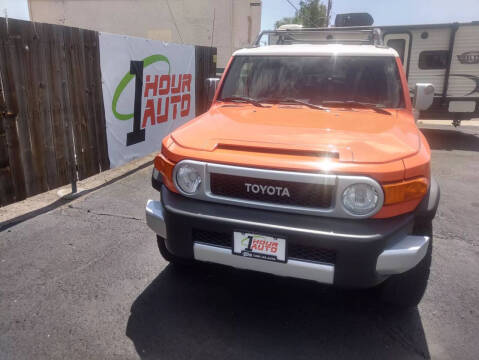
(168, 256)
(407, 289)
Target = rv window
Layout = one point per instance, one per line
(433, 59)
(399, 45)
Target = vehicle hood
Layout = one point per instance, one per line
(354, 135)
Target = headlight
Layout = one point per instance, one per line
(188, 179)
(360, 199)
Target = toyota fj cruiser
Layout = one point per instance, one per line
(308, 164)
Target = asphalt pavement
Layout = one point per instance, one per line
(85, 280)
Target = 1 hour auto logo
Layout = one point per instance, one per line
(166, 96)
(259, 243)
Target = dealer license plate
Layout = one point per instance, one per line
(259, 246)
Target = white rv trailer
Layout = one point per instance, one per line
(446, 55)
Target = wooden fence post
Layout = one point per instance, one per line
(205, 68)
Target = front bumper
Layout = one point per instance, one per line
(366, 251)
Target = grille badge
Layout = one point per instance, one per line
(267, 190)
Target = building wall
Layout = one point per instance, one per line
(236, 22)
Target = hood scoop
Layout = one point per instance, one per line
(280, 151)
(231, 105)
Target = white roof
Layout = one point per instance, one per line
(318, 50)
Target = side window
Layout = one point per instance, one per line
(433, 59)
(399, 45)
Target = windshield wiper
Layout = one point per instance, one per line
(243, 99)
(295, 101)
(352, 103)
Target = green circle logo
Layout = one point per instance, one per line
(126, 80)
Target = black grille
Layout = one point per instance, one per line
(301, 252)
(295, 251)
(272, 191)
(213, 238)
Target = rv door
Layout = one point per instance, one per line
(401, 43)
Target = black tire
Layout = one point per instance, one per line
(407, 289)
(168, 256)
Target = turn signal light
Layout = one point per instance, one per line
(405, 191)
(165, 167)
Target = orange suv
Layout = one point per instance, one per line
(309, 164)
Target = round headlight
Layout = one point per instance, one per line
(188, 179)
(360, 199)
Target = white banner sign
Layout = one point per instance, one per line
(148, 90)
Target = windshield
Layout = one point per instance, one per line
(314, 79)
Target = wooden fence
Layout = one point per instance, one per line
(51, 100)
(52, 120)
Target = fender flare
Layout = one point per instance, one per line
(427, 209)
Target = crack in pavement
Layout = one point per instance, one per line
(92, 261)
(50, 284)
(89, 211)
(470, 242)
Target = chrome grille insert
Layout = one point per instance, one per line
(332, 184)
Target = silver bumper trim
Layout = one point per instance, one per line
(403, 256)
(293, 268)
(154, 217)
(400, 258)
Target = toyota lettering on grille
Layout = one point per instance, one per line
(267, 190)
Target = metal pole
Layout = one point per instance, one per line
(328, 12)
(71, 155)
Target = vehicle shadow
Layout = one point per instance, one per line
(213, 312)
(451, 139)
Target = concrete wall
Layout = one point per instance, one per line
(236, 25)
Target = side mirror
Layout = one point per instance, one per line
(211, 84)
(424, 95)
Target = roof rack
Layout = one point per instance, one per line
(360, 35)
